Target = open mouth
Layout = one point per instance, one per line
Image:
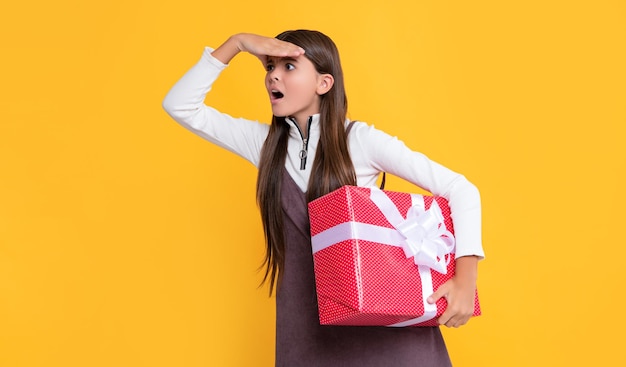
(277, 94)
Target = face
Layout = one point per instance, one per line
(293, 86)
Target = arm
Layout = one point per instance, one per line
(389, 154)
(185, 101)
(382, 152)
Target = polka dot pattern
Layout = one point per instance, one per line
(367, 283)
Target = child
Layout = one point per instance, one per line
(305, 153)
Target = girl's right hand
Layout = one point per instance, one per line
(259, 46)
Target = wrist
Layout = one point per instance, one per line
(236, 40)
(228, 49)
(467, 269)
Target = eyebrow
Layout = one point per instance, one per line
(274, 59)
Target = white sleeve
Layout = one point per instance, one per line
(388, 154)
(185, 104)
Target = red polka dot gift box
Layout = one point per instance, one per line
(379, 254)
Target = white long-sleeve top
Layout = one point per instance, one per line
(372, 151)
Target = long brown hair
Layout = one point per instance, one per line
(332, 167)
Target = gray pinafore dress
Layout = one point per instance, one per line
(300, 339)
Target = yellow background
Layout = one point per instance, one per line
(127, 241)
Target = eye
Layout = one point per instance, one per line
(289, 66)
(269, 67)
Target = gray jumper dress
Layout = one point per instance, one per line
(300, 339)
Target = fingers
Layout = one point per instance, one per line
(441, 292)
(454, 321)
(459, 297)
(285, 49)
(457, 313)
(262, 47)
(452, 316)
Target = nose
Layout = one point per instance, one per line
(272, 75)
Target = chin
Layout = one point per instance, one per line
(279, 114)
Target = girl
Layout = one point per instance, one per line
(305, 153)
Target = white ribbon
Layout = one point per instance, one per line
(430, 309)
(425, 238)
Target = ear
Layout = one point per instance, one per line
(326, 82)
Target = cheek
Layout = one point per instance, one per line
(306, 85)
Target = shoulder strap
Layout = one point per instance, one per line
(349, 127)
(382, 182)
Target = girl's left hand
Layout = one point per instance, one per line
(459, 293)
(460, 298)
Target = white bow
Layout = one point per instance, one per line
(426, 238)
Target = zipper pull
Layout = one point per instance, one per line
(303, 154)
